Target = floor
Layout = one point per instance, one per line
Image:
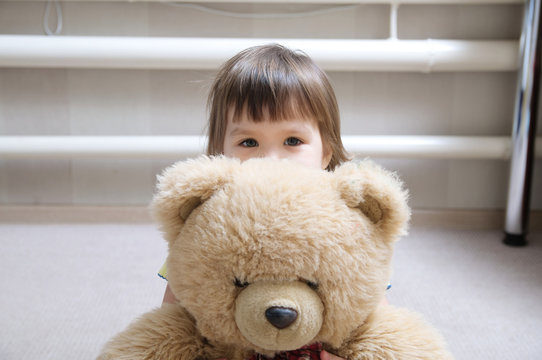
(68, 287)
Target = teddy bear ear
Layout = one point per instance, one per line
(377, 193)
(184, 186)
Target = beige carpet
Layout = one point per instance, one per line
(66, 288)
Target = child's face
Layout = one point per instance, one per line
(295, 139)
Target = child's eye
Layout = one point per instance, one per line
(292, 141)
(249, 143)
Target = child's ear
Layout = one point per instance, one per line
(327, 155)
(186, 185)
(377, 193)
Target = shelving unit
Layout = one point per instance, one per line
(389, 55)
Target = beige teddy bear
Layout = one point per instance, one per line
(267, 257)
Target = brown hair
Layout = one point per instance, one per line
(274, 81)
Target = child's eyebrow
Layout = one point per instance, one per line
(239, 130)
(300, 128)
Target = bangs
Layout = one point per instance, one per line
(271, 95)
(272, 82)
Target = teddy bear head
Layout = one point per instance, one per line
(272, 256)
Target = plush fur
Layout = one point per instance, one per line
(245, 238)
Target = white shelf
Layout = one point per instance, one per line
(175, 147)
(452, 2)
(35, 51)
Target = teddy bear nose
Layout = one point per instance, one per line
(280, 317)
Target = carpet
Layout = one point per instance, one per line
(67, 288)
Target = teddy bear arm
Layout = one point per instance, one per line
(166, 333)
(393, 333)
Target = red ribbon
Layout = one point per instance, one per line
(310, 352)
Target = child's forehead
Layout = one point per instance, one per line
(285, 113)
(295, 119)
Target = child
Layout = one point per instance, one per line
(269, 101)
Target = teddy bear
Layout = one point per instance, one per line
(270, 259)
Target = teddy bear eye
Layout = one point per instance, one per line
(240, 284)
(313, 285)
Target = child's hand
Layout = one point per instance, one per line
(324, 355)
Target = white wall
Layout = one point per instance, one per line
(165, 102)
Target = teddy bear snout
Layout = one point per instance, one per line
(280, 317)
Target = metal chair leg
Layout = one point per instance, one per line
(524, 131)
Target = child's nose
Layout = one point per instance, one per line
(272, 153)
(273, 156)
